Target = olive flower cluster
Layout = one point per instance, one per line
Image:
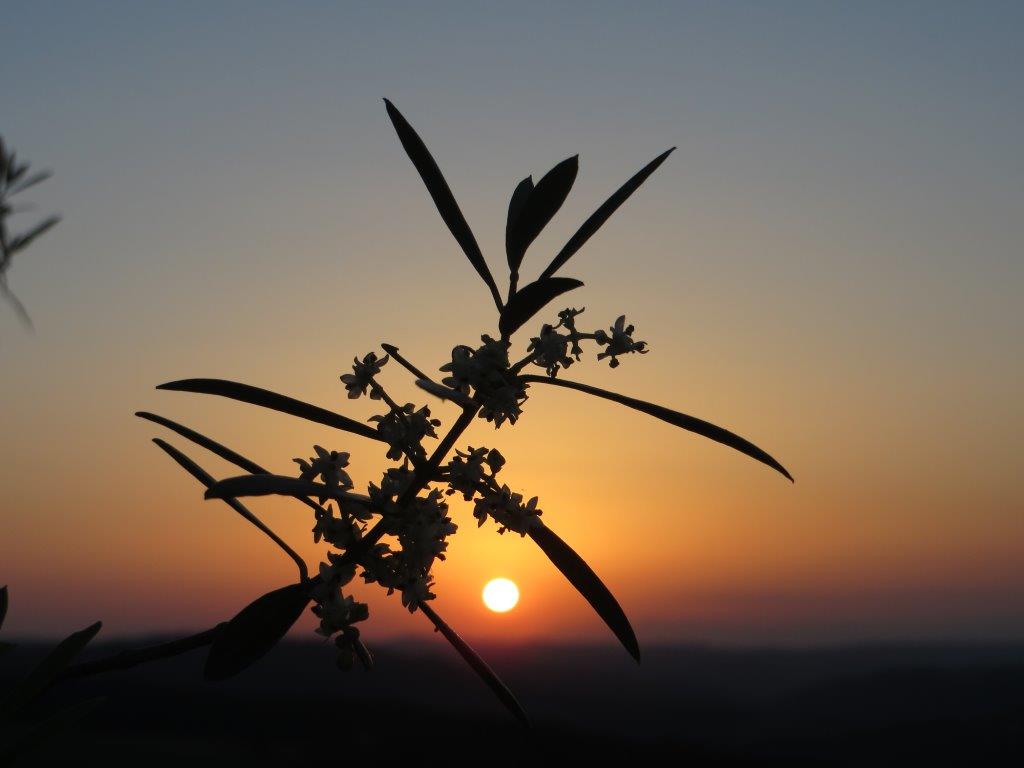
(474, 474)
(362, 375)
(413, 516)
(558, 346)
(486, 371)
(421, 530)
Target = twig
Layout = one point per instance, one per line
(133, 658)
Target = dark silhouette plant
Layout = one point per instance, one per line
(394, 532)
(14, 179)
(22, 727)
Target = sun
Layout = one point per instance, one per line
(501, 595)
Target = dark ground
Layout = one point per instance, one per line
(874, 706)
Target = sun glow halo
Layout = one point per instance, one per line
(501, 595)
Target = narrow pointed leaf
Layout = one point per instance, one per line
(689, 423)
(277, 485)
(21, 242)
(478, 664)
(515, 207)
(581, 576)
(530, 300)
(211, 445)
(539, 208)
(3, 605)
(267, 399)
(602, 214)
(31, 181)
(255, 630)
(220, 450)
(206, 480)
(40, 678)
(442, 196)
(446, 393)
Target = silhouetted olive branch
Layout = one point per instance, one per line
(413, 516)
(136, 656)
(260, 482)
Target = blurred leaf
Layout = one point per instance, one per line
(478, 664)
(31, 181)
(602, 214)
(255, 630)
(14, 301)
(267, 399)
(442, 196)
(531, 299)
(515, 207)
(689, 423)
(24, 240)
(580, 575)
(47, 670)
(15, 171)
(537, 210)
(3, 605)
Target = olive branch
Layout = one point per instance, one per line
(393, 533)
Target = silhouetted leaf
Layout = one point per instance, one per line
(211, 445)
(276, 485)
(580, 575)
(442, 196)
(689, 423)
(272, 400)
(530, 300)
(602, 214)
(214, 447)
(446, 393)
(205, 479)
(478, 664)
(515, 207)
(255, 630)
(46, 671)
(540, 206)
(3, 605)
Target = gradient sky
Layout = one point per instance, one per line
(830, 265)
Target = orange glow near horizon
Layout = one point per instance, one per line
(811, 268)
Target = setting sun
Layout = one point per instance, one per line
(501, 595)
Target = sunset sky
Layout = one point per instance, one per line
(830, 265)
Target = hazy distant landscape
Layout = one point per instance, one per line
(891, 705)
